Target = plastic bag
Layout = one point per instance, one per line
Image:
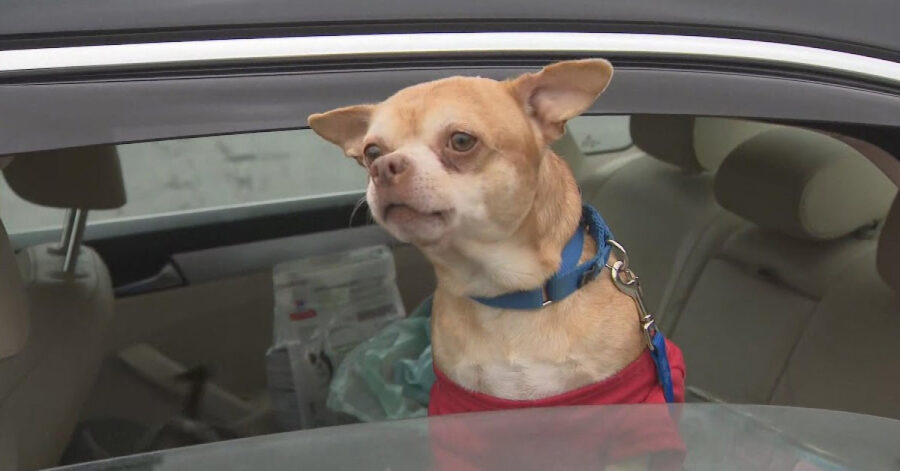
(325, 306)
(390, 375)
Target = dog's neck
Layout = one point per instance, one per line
(527, 258)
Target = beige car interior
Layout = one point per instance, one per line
(57, 305)
(770, 254)
(673, 188)
(761, 258)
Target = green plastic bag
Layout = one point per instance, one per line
(390, 375)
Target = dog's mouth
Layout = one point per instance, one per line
(402, 213)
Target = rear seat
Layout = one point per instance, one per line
(846, 358)
(661, 206)
(781, 287)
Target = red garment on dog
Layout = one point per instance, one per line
(637, 383)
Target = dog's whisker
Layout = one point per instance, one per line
(359, 204)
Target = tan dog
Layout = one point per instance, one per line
(461, 168)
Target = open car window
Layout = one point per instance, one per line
(597, 135)
(244, 269)
(182, 175)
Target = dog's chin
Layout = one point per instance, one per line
(416, 227)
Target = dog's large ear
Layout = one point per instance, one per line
(345, 127)
(561, 91)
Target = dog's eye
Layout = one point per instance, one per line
(462, 142)
(372, 152)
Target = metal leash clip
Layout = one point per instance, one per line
(628, 283)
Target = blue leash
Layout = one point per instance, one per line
(571, 276)
(663, 371)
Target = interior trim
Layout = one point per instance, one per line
(350, 46)
(125, 226)
(232, 261)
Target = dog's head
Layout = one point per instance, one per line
(458, 159)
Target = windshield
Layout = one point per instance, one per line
(692, 436)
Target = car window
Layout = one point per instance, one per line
(209, 172)
(598, 135)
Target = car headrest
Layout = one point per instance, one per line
(14, 321)
(889, 247)
(804, 184)
(690, 143)
(82, 177)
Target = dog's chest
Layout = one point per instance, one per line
(523, 379)
(513, 359)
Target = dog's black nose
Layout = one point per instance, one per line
(387, 170)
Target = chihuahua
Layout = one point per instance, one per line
(462, 169)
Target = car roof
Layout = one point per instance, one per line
(862, 27)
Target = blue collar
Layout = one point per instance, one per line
(570, 275)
